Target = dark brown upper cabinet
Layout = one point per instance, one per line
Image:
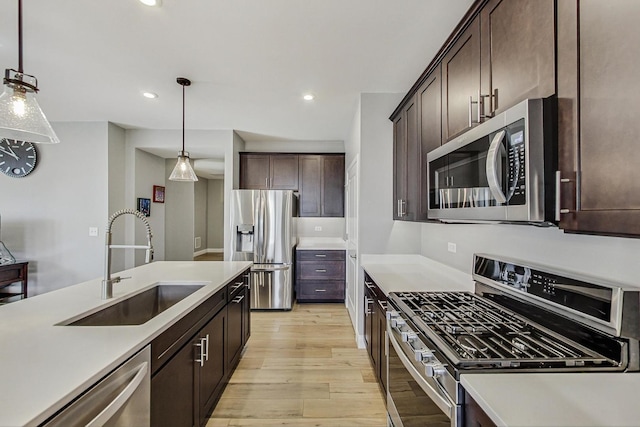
(429, 111)
(321, 185)
(517, 44)
(406, 163)
(268, 171)
(598, 92)
(461, 82)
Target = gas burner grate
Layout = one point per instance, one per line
(481, 333)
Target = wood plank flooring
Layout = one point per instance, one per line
(302, 368)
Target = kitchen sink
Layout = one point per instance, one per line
(139, 308)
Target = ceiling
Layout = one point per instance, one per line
(250, 61)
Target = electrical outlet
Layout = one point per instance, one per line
(451, 247)
(93, 231)
(318, 228)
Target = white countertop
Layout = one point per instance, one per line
(44, 366)
(397, 273)
(557, 399)
(320, 243)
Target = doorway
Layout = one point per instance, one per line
(351, 190)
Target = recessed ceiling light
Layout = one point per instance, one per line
(308, 97)
(149, 95)
(151, 2)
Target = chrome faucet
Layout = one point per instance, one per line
(107, 283)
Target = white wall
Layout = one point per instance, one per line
(179, 217)
(215, 214)
(46, 215)
(116, 189)
(201, 189)
(330, 227)
(615, 258)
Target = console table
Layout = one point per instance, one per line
(10, 274)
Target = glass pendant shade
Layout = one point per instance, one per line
(21, 117)
(183, 170)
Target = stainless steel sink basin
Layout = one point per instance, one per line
(139, 308)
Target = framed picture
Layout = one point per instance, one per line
(144, 206)
(158, 194)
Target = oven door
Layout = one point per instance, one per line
(413, 398)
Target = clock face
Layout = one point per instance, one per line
(17, 158)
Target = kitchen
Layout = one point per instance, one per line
(46, 226)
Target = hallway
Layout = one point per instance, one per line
(302, 368)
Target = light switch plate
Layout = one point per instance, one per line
(318, 228)
(451, 247)
(93, 231)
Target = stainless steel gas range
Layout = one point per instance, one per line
(521, 318)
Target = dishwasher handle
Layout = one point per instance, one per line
(116, 404)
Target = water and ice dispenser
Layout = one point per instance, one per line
(244, 238)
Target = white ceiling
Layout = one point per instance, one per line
(250, 61)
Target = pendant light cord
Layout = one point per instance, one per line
(20, 69)
(183, 119)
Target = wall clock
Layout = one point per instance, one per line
(17, 158)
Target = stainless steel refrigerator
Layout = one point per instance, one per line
(261, 231)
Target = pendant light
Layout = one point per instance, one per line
(21, 117)
(183, 170)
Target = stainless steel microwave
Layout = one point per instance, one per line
(501, 170)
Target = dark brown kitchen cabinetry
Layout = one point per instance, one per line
(598, 92)
(474, 416)
(321, 183)
(518, 52)
(268, 171)
(375, 330)
(193, 359)
(461, 82)
(13, 274)
(406, 163)
(320, 275)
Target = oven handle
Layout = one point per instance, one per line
(436, 396)
(492, 167)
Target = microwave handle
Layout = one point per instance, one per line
(492, 168)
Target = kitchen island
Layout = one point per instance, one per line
(45, 366)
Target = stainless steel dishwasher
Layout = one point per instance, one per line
(122, 398)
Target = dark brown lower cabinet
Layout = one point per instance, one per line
(193, 366)
(375, 330)
(474, 416)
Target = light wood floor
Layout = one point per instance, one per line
(302, 368)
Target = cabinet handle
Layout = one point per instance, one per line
(201, 344)
(494, 102)
(321, 255)
(206, 348)
(559, 181)
(237, 299)
(367, 301)
(471, 111)
(266, 182)
(318, 270)
(238, 285)
(321, 290)
(369, 285)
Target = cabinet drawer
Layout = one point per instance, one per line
(320, 255)
(321, 290)
(324, 270)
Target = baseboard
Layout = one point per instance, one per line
(361, 343)
(208, 251)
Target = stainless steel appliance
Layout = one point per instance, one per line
(261, 231)
(521, 318)
(121, 399)
(501, 170)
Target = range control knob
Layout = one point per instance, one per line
(422, 354)
(434, 369)
(392, 314)
(409, 336)
(396, 323)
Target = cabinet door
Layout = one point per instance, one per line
(518, 52)
(211, 373)
(598, 92)
(369, 301)
(246, 312)
(234, 330)
(430, 118)
(173, 391)
(333, 186)
(399, 164)
(310, 201)
(283, 172)
(460, 82)
(254, 171)
(411, 205)
(381, 318)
